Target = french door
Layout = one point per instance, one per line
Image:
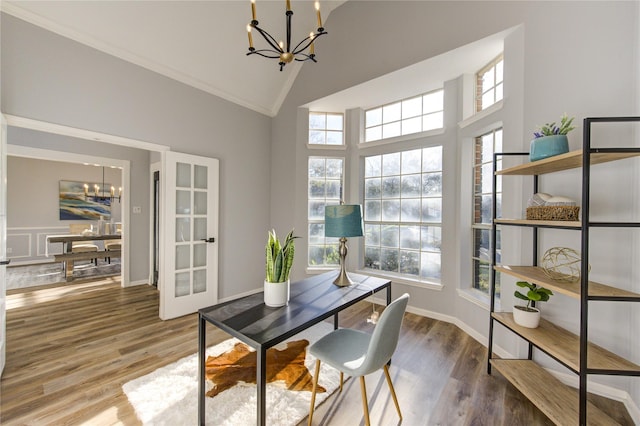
(189, 234)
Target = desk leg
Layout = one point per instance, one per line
(202, 333)
(261, 383)
(388, 295)
(335, 321)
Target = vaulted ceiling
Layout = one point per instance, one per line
(200, 43)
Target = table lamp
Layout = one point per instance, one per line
(343, 221)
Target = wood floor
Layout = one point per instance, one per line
(72, 347)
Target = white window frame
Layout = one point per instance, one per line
(495, 90)
(430, 282)
(325, 130)
(328, 241)
(479, 167)
(398, 115)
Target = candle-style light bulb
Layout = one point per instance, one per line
(120, 192)
(311, 50)
(253, 9)
(250, 37)
(318, 12)
(113, 191)
(86, 189)
(96, 189)
(288, 5)
(281, 44)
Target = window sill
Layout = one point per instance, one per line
(315, 270)
(402, 280)
(481, 114)
(403, 138)
(478, 298)
(326, 147)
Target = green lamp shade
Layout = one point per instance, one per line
(344, 220)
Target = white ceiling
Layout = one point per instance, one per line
(200, 43)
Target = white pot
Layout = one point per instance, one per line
(276, 294)
(529, 319)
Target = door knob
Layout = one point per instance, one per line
(209, 240)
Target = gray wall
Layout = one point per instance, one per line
(49, 78)
(578, 57)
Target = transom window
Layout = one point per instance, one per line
(326, 128)
(324, 189)
(413, 115)
(403, 213)
(485, 146)
(489, 84)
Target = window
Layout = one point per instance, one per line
(413, 115)
(324, 188)
(484, 148)
(326, 128)
(403, 213)
(489, 84)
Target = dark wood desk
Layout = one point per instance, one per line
(250, 320)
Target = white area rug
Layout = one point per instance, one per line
(169, 395)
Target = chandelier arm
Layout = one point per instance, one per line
(272, 41)
(289, 15)
(275, 54)
(309, 40)
(311, 57)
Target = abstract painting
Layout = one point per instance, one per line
(78, 201)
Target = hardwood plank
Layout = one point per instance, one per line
(567, 161)
(536, 275)
(565, 345)
(556, 400)
(73, 346)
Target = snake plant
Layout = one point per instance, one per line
(279, 258)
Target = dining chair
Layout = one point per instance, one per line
(358, 353)
(82, 246)
(115, 228)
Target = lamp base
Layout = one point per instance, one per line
(343, 279)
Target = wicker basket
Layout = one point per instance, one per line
(553, 213)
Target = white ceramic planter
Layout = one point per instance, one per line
(276, 294)
(526, 318)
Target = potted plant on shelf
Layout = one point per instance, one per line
(551, 139)
(527, 316)
(279, 259)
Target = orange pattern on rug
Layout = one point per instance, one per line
(239, 365)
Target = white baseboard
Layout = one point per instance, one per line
(238, 296)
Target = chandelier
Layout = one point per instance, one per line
(100, 195)
(280, 50)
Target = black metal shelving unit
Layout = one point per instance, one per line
(586, 291)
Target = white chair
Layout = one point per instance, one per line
(82, 246)
(115, 228)
(358, 353)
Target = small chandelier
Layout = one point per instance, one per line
(278, 50)
(101, 196)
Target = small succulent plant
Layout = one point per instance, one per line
(535, 293)
(551, 129)
(279, 258)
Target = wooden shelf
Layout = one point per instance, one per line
(565, 346)
(536, 275)
(545, 223)
(556, 400)
(570, 160)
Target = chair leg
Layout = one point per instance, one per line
(313, 392)
(393, 391)
(365, 405)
